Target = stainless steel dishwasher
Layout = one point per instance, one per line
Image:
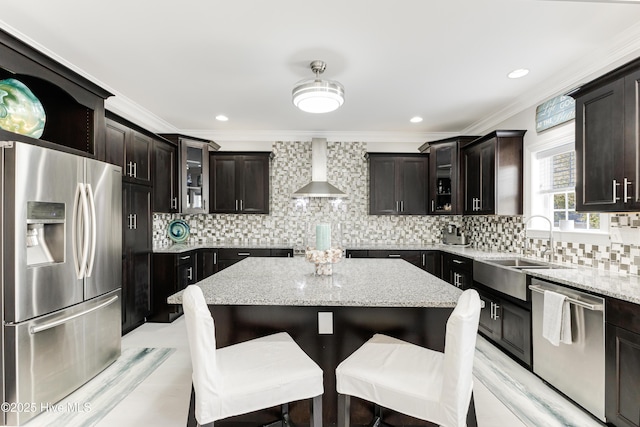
(576, 369)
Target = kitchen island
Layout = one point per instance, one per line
(328, 316)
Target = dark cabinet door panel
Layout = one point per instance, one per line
(632, 139)
(414, 186)
(255, 184)
(383, 199)
(600, 147)
(116, 143)
(622, 377)
(487, 177)
(224, 184)
(165, 177)
(516, 330)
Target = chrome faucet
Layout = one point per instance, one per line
(549, 248)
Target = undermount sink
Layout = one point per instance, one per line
(508, 275)
(521, 263)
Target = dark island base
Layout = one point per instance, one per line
(352, 326)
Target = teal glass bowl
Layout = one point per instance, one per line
(178, 230)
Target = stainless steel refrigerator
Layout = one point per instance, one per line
(61, 269)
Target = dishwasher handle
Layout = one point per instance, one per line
(570, 300)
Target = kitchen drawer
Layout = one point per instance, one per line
(623, 314)
(357, 253)
(282, 253)
(229, 253)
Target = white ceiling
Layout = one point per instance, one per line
(174, 66)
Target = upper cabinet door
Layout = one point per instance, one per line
(493, 174)
(240, 183)
(129, 149)
(600, 148)
(414, 185)
(165, 177)
(138, 161)
(223, 184)
(382, 183)
(398, 184)
(631, 182)
(254, 189)
(117, 136)
(195, 176)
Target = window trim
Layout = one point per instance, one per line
(559, 138)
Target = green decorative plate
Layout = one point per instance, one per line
(178, 230)
(20, 111)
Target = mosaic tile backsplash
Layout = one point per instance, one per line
(288, 220)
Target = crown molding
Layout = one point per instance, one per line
(125, 107)
(621, 50)
(231, 136)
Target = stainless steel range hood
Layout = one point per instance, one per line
(319, 187)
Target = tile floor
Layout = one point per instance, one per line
(162, 400)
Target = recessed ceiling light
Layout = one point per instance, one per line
(222, 118)
(415, 119)
(516, 74)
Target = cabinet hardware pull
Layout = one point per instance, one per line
(244, 253)
(215, 258)
(240, 204)
(204, 204)
(493, 307)
(615, 191)
(424, 261)
(135, 221)
(457, 261)
(627, 183)
(190, 270)
(397, 206)
(135, 169)
(483, 304)
(496, 315)
(236, 205)
(394, 256)
(185, 257)
(401, 205)
(433, 205)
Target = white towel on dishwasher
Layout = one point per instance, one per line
(556, 318)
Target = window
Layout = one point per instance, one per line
(556, 173)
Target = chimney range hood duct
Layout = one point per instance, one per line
(318, 187)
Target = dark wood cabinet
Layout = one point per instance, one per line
(193, 172)
(445, 190)
(607, 142)
(229, 256)
(128, 148)
(74, 105)
(398, 184)
(171, 274)
(622, 361)
(492, 174)
(427, 260)
(137, 253)
(165, 177)
(457, 270)
(240, 183)
(507, 324)
(206, 263)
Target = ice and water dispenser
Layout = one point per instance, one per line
(45, 233)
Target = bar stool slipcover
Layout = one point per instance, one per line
(249, 376)
(422, 383)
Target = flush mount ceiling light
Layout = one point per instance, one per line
(317, 95)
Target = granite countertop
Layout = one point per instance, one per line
(178, 248)
(616, 285)
(355, 282)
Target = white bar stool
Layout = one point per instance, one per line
(249, 376)
(422, 383)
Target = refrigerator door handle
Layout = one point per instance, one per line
(93, 228)
(44, 327)
(80, 206)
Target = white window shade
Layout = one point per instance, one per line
(557, 169)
